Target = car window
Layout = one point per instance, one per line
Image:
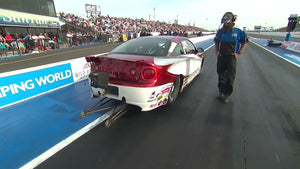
(144, 46)
(188, 47)
(177, 51)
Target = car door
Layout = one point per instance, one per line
(181, 62)
(193, 61)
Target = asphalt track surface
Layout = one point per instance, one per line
(274, 37)
(257, 129)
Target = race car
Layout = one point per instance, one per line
(147, 72)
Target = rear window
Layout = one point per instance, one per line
(144, 46)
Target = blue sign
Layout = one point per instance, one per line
(15, 18)
(26, 85)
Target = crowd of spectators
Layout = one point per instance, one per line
(29, 43)
(106, 25)
(92, 29)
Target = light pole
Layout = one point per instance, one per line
(176, 21)
(154, 13)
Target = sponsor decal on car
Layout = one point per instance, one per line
(152, 97)
(166, 90)
(160, 103)
(153, 105)
(159, 97)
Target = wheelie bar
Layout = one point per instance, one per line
(98, 107)
(116, 114)
(106, 104)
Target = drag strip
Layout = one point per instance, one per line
(290, 56)
(258, 128)
(50, 121)
(260, 122)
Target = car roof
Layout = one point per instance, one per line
(175, 39)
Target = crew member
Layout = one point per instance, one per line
(230, 43)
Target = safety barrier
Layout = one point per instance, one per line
(20, 85)
(201, 38)
(293, 46)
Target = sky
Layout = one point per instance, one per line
(205, 14)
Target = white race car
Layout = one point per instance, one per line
(147, 72)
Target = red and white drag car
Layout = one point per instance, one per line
(147, 72)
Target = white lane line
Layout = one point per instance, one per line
(47, 154)
(276, 54)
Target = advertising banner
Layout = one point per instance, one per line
(293, 46)
(23, 86)
(20, 85)
(80, 68)
(20, 19)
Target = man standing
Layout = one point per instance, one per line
(230, 43)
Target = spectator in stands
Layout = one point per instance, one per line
(41, 41)
(79, 38)
(69, 36)
(55, 39)
(74, 39)
(3, 47)
(21, 46)
(35, 43)
(3, 41)
(46, 40)
(16, 44)
(129, 35)
(28, 43)
(9, 38)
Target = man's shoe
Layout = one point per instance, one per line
(226, 98)
(220, 96)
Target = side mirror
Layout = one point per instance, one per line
(200, 50)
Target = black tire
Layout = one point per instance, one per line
(202, 63)
(174, 92)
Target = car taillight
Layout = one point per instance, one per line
(90, 58)
(148, 73)
(132, 71)
(93, 62)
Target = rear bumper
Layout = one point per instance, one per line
(147, 98)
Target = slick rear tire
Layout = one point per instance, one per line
(202, 63)
(174, 92)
